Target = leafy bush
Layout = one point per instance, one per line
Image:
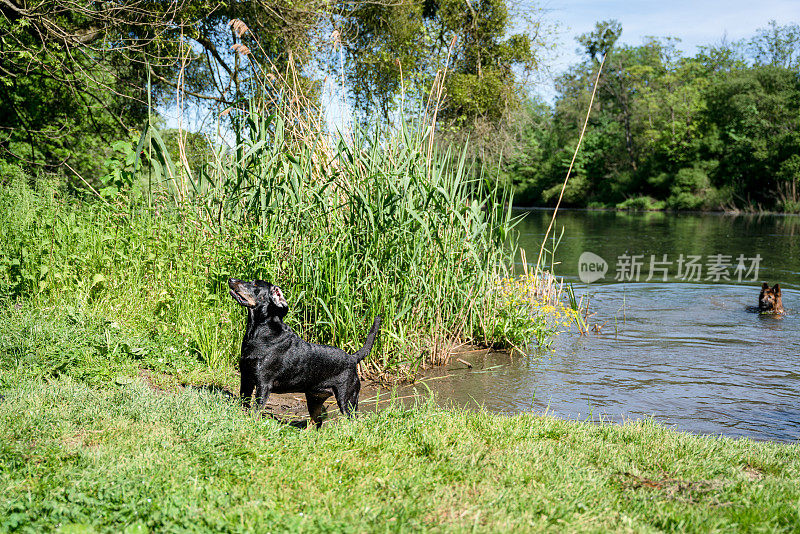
(575, 192)
(691, 190)
(642, 204)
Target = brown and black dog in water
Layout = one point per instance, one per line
(769, 300)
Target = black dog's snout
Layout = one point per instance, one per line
(242, 292)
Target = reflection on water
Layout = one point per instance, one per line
(687, 354)
(612, 235)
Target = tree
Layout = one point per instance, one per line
(62, 99)
(753, 130)
(776, 45)
(401, 47)
(75, 75)
(598, 43)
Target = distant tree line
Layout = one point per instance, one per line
(719, 130)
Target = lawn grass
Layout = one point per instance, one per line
(105, 430)
(89, 458)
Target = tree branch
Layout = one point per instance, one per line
(191, 93)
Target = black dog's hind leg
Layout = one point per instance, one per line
(347, 398)
(353, 401)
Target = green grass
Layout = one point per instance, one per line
(48, 343)
(103, 429)
(125, 456)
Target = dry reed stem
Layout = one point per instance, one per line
(571, 163)
(182, 135)
(438, 100)
(67, 165)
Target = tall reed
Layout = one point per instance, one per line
(366, 226)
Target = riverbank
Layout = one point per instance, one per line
(728, 212)
(124, 457)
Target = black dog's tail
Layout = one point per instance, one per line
(365, 350)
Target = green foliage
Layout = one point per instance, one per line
(576, 190)
(146, 271)
(77, 78)
(690, 189)
(754, 128)
(599, 42)
(525, 152)
(61, 104)
(120, 166)
(776, 45)
(789, 176)
(642, 204)
(412, 39)
(386, 54)
(716, 130)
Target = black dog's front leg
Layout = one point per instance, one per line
(251, 381)
(263, 390)
(316, 403)
(248, 384)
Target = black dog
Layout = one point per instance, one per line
(275, 359)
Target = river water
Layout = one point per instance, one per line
(681, 348)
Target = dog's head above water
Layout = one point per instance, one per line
(259, 296)
(769, 300)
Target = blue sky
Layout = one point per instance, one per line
(697, 22)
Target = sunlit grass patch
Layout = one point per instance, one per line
(124, 455)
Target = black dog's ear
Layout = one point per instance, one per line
(777, 289)
(765, 286)
(277, 297)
